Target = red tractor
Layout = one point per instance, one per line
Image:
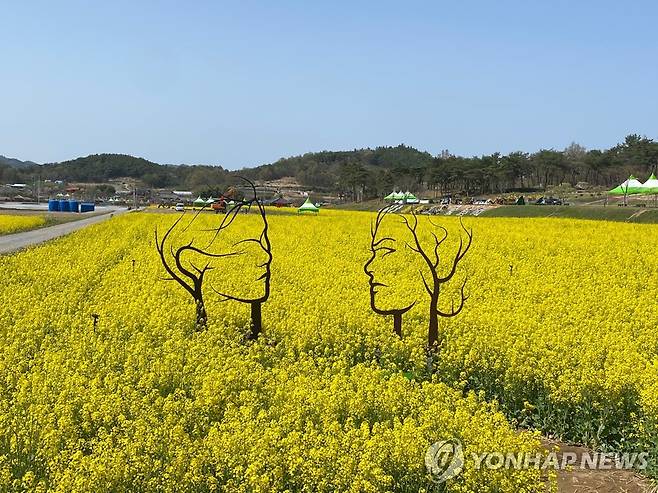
(219, 205)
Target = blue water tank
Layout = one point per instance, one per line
(64, 205)
(87, 207)
(73, 205)
(53, 205)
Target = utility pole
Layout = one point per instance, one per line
(38, 189)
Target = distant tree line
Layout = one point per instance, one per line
(100, 168)
(365, 173)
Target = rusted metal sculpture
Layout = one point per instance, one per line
(433, 286)
(431, 259)
(192, 276)
(263, 242)
(385, 245)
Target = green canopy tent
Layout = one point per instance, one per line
(398, 196)
(391, 196)
(651, 185)
(629, 187)
(410, 198)
(308, 208)
(210, 201)
(199, 202)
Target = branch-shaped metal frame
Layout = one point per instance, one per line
(433, 261)
(263, 242)
(378, 245)
(191, 276)
(190, 281)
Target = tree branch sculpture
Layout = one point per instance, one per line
(382, 245)
(191, 276)
(433, 285)
(263, 242)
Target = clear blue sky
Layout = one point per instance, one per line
(244, 83)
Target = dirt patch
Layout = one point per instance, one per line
(588, 480)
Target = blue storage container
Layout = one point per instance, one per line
(73, 205)
(53, 205)
(64, 205)
(87, 207)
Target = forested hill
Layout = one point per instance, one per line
(102, 167)
(99, 168)
(371, 172)
(322, 170)
(327, 169)
(14, 163)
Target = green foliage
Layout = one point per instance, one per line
(621, 214)
(98, 168)
(367, 173)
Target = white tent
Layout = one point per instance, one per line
(410, 198)
(651, 185)
(630, 186)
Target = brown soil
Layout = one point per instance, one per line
(580, 480)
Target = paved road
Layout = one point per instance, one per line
(17, 241)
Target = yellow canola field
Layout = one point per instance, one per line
(559, 330)
(14, 223)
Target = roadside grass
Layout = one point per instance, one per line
(613, 212)
(606, 213)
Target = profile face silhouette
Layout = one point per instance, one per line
(384, 267)
(192, 256)
(245, 238)
(381, 278)
(239, 244)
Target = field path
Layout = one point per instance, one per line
(17, 241)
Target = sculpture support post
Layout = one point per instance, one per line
(397, 324)
(256, 320)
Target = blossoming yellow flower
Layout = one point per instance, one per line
(15, 223)
(328, 398)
